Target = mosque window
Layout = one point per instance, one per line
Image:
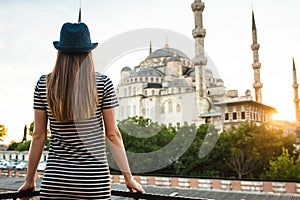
(135, 80)
(144, 111)
(151, 80)
(128, 110)
(157, 80)
(243, 115)
(145, 92)
(178, 108)
(141, 79)
(163, 109)
(146, 80)
(129, 91)
(234, 116)
(170, 106)
(226, 116)
(178, 124)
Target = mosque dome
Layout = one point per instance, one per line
(166, 52)
(126, 69)
(191, 73)
(147, 72)
(181, 82)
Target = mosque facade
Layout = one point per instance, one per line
(170, 88)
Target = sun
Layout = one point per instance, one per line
(286, 116)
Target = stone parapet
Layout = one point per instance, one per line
(194, 183)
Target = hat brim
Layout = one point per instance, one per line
(74, 49)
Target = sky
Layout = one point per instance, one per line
(28, 28)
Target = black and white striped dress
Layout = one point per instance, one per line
(77, 167)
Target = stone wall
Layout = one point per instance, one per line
(216, 184)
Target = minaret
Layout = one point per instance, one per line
(200, 60)
(150, 49)
(296, 97)
(257, 85)
(79, 15)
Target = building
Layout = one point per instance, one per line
(172, 89)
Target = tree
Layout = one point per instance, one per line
(23, 146)
(31, 126)
(12, 145)
(190, 164)
(285, 167)
(141, 135)
(252, 146)
(3, 131)
(243, 157)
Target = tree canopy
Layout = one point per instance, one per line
(3, 131)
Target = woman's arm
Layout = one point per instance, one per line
(39, 137)
(117, 149)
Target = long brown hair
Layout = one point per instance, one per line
(71, 87)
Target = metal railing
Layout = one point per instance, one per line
(121, 193)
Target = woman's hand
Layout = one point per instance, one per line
(134, 186)
(27, 186)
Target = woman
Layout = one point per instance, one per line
(79, 103)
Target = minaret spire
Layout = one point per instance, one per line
(257, 85)
(79, 15)
(150, 49)
(296, 96)
(200, 59)
(167, 44)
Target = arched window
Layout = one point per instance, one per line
(163, 109)
(178, 108)
(129, 91)
(170, 106)
(144, 111)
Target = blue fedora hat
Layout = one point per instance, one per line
(74, 38)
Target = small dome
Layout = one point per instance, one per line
(191, 73)
(126, 69)
(209, 73)
(146, 72)
(181, 82)
(166, 52)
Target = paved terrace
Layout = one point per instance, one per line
(12, 183)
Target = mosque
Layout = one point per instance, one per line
(172, 89)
